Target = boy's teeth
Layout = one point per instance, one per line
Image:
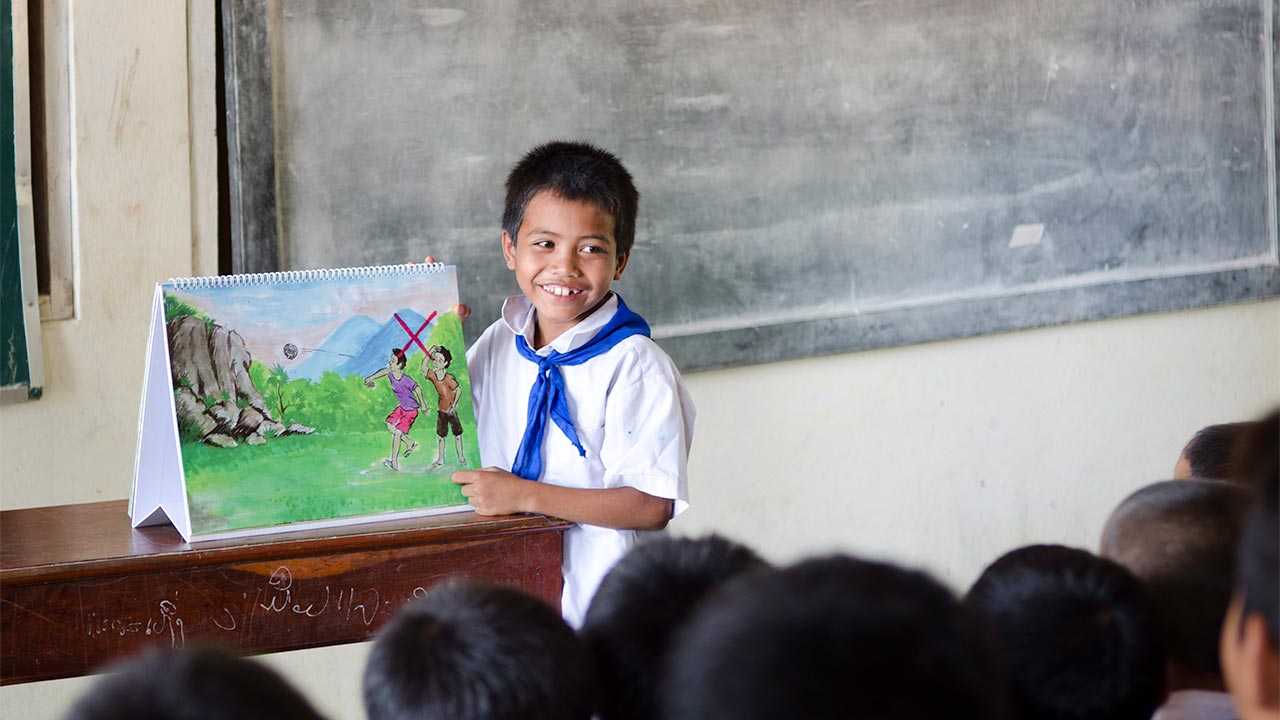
(557, 290)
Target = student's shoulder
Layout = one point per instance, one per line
(496, 333)
(638, 357)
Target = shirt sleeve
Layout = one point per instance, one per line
(648, 428)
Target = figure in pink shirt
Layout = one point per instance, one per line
(409, 397)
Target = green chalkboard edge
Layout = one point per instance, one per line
(16, 201)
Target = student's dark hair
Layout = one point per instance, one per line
(472, 651)
(444, 352)
(400, 357)
(192, 684)
(574, 171)
(1179, 538)
(834, 637)
(1209, 451)
(1257, 464)
(641, 606)
(1081, 635)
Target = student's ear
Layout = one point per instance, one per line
(509, 250)
(622, 265)
(1263, 661)
(1250, 664)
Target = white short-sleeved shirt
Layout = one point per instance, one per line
(633, 417)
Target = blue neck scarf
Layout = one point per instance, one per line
(547, 398)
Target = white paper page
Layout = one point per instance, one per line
(158, 496)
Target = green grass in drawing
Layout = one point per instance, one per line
(307, 477)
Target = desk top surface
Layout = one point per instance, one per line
(70, 541)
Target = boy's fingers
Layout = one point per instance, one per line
(463, 311)
(429, 259)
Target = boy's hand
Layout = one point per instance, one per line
(492, 491)
(462, 311)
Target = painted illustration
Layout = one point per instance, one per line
(409, 399)
(285, 394)
(434, 366)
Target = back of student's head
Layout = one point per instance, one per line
(193, 684)
(1257, 465)
(1179, 537)
(641, 606)
(834, 637)
(1081, 635)
(574, 171)
(471, 651)
(1207, 455)
(1251, 633)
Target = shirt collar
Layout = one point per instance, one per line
(518, 314)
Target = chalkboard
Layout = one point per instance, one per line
(816, 177)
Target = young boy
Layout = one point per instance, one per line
(409, 397)
(582, 416)
(1251, 632)
(1207, 455)
(206, 683)
(472, 651)
(434, 365)
(1082, 638)
(832, 638)
(1179, 537)
(643, 605)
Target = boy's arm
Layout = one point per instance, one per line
(369, 380)
(417, 395)
(493, 491)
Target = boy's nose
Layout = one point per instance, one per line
(567, 263)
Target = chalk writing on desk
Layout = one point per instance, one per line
(261, 600)
(280, 596)
(169, 623)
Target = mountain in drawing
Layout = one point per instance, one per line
(361, 346)
(342, 344)
(375, 351)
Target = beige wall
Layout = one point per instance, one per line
(940, 455)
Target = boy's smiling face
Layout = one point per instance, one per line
(565, 258)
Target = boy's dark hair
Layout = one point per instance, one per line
(574, 171)
(1208, 452)
(1257, 464)
(471, 651)
(192, 684)
(400, 357)
(641, 606)
(1081, 635)
(1179, 537)
(834, 637)
(444, 352)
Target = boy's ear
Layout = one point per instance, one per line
(622, 265)
(1263, 663)
(509, 250)
(1250, 664)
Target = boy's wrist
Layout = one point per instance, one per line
(530, 498)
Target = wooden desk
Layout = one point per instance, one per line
(79, 588)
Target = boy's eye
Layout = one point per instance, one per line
(593, 249)
(543, 244)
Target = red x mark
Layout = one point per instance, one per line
(413, 336)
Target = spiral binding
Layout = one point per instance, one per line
(296, 276)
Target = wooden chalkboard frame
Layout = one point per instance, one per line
(250, 103)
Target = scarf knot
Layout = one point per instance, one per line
(547, 397)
